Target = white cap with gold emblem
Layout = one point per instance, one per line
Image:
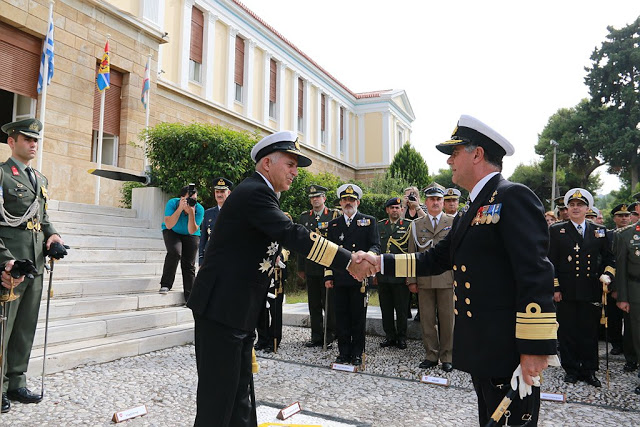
(349, 190)
(579, 194)
(472, 131)
(286, 141)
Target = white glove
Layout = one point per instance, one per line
(605, 279)
(518, 384)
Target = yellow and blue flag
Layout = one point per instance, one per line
(103, 79)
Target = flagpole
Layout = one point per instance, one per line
(100, 132)
(146, 122)
(43, 99)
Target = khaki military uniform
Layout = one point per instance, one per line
(435, 293)
(25, 241)
(627, 252)
(393, 291)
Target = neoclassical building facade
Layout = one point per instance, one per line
(212, 61)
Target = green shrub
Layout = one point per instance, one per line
(125, 193)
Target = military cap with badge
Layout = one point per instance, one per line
(349, 190)
(471, 131)
(579, 194)
(621, 209)
(285, 141)
(434, 190)
(222, 184)
(593, 212)
(316, 190)
(27, 127)
(452, 193)
(394, 201)
(559, 202)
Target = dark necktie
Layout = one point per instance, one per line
(32, 176)
(580, 232)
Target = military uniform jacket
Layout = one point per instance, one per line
(319, 224)
(231, 286)
(424, 237)
(362, 234)
(503, 280)
(579, 261)
(18, 194)
(627, 250)
(394, 239)
(209, 220)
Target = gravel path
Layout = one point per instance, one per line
(387, 393)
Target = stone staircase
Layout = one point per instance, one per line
(105, 302)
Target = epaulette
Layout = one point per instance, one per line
(620, 230)
(380, 221)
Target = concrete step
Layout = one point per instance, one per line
(112, 255)
(57, 205)
(90, 352)
(64, 308)
(88, 287)
(92, 327)
(58, 217)
(106, 242)
(63, 271)
(66, 228)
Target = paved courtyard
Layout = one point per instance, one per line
(387, 393)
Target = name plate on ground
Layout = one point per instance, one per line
(554, 397)
(289, 411)
(129, 413)
(435, 380)
(344, 367)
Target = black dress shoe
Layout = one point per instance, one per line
(570, 378)
(417, 318)
(426, 364)
(356, 361)
(447, 367)
(630, 367)
(388, 343)
(6, 405)
(402, 344)
(24, 395)
(310, 344)
(343, 359)
(636, 391)
(616, 350)
(592, 380)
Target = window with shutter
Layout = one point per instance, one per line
(342, 139)
(20, 59)
(239, 68)
(111, 125)
(300, 105)
(273, 76)
(323, 132)
(196, 42)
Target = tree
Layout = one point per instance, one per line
(579, 146)
(614, 85)
(409, 166)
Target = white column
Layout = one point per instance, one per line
(347, 136)
(231, 67)
(266, 71)
(361, 140)
(386, 146)
(319, 117)
(337, 131)
(247, 90)
(307, 112)
(294, 103)
(208, 52)
(186, 43)
(280, 89)
(327, 124)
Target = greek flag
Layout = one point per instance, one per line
(145, 84)
(47, 55)
(104, 76)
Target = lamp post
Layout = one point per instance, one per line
(553, 180)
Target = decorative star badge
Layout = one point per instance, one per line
(265, 265)
(272, 249)
(341, 237)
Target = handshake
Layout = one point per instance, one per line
(363, 265)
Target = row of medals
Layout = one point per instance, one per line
(485, 218)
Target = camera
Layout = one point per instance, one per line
(191, 192)
(412, 197)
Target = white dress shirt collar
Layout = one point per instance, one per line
(480, 185)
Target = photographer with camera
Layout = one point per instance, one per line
(181, 234)
(411, 202)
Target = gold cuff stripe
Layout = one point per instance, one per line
(328, 273)
(548, 320)
(556, 282)
(323, 251)
(405, 265)
(546, 331)
(611, 270)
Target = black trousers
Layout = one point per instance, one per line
(270, 322)
(183, 249)
(578, 336)
(614, 323)
(316, 294)
(223, 360)
(351, 318)
(394, 297)
(630, 355)
(490, 392)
